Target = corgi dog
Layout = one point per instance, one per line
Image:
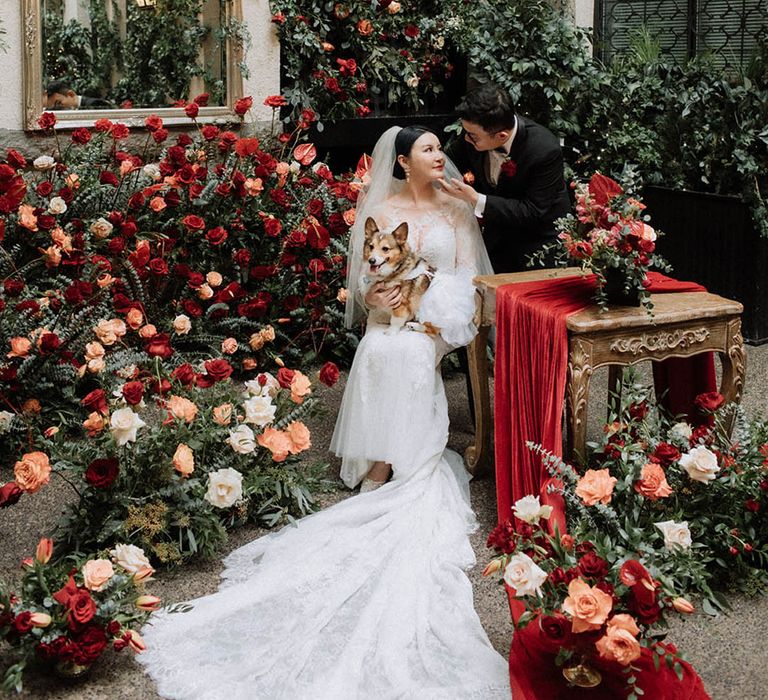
(388, 258)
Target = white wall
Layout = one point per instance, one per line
(10, 66)
(584, 13)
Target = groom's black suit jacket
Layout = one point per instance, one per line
(521, 209)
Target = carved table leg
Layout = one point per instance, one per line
(477, 456)
(615, 377)
(734, 361)
(579, 374)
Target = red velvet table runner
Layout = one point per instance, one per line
(530, 379)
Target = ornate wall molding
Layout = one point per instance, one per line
(663, 340)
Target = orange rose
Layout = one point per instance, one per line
(253, 186)
(620, 643)
(182, 408)
(94, 350)
(364, 27)
(222, 415)
(596, 486)
(299, 434)
(96, 574)
(20, 346)
(300, 387)
(31, 406)
(256, 342)
(104, 280)
(349, 216)
(32, 471)
(653, 482)
(277, 442)
(214, 279)
(148, 331)
(134, 319)
(250, 363)
(587, 606)
(108, 332)
(228, 346)
(184, 460)
(157, 204)
(27, 217)
(94, 423)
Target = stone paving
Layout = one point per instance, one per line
(729, 652)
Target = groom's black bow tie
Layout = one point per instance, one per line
(501, 150)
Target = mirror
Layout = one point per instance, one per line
(86, 59)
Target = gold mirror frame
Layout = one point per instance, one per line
(66, 119)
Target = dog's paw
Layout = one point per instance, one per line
(416, 326)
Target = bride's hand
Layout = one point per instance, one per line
(380, 296)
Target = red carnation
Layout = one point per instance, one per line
(329, 374)
(88, 644)
(185, 374)
(101, 473)
(210, 132)
(119, 132)
(81, 136)
(272, 227)
(153, 123)
(49, 342)
(22, 623)
(159, 345)
(411, 30)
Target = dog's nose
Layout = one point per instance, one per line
(371, 261)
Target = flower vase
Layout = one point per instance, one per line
(71, 670)
(582, 675)
(614, 289)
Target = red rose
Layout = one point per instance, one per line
(192, 308)
(46, 121)
(242, 257)
(253, 308)
(709, 402)
(136, 200)
(262, 272)
(285, 377)
(81, 608)
(752, 505)
(101, 473)
(329, 374)
(647, 612)
(509, 168)
(411, 30)
(193, 222)
(119, 132)
(272, 227)
(81, 136)
(243, 105)
(185, 374)
(15, 159)
(108, 178)
(555, 631)
(22, 623)
(347, 67)
(49, 342)
(227, 140)
(218, 370)
(158, 267)
(9, 494)
(96, 400)
(192, 110)
(44, 188)
(153, 123)
(210, 132)
(275, 101)
(133, 392)
(216, 236)
(159, 345)
(315, 207)
(665, 454)
(88, 645)
(593, 566)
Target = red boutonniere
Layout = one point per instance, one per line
(509, 168)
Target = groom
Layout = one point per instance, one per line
(514, 176)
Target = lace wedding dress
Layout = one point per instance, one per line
(367, 599)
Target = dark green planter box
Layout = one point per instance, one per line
(711, 239)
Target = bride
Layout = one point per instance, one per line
(367, 599)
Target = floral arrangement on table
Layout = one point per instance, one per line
(610, 237)
(589, 601)
(341, 58)
(68, 612)
(182, 249)
(171, 461)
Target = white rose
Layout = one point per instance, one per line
(182, 325)
(130, 557)
(317, 165)
(152, 171)
(101, 228)
(676, 535)
(44, 163)
(225, 487)
(295, 167)
(413, 81)
(681, 432)
(242, 440)
(126, 372)
(271, 386)
(530, 509)
(700, 463)
(259, 410)
(124, 423)
(57, 206)
(439, 42)
(5, 420)
(524, 575)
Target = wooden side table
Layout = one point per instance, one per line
(683, 324)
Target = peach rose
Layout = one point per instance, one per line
(101, 228)
(94, 423)
(104, 280)
(250, 363)
(73, 181)
(62, 240)
(51, 256)
(349, 216)
(228, 346)
(596, 486)
(341, 295)
(254, 186)
(94, 350)
(268, 333)
(182, 408)
(20, 346)
(653, 482)
(184, 460)
(300, 387)
(157, 204)
(205, 291)
(182, 325)
(222, 414)
(27, 217)
(134, 318)
(32, 471)
(148, 331)
(108, 332)
(620, 643)
(96, 365)
(587, 606)
(299, 434)
(214, 279)
(96, 574)
(277, 442)
(364, 27)
(256, 342)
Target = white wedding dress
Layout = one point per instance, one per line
(367, 599)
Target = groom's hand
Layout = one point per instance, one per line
(383, 297)
(460, 190)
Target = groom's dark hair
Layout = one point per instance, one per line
(489, 106)
(404, 141)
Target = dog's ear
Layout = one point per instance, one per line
(401, 233)
(370, 228)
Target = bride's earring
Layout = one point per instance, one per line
(407, 175)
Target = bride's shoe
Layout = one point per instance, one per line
(370, 485)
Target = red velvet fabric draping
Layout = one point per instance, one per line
(534, 675)
(530, 379)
